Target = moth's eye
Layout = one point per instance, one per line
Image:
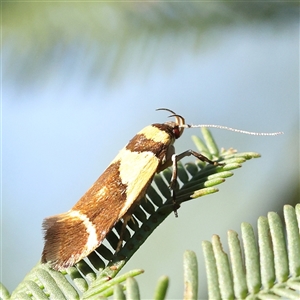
(176, 132)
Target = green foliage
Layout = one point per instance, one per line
(269, 270)
(111, 30)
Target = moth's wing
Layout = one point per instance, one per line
(71, 236)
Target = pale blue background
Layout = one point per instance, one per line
(59, 134)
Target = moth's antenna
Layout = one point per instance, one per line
(166, 109)
(181, 124)
(230, 129)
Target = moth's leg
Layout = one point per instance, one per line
(167, 161)
(125, 218)
(175, 158)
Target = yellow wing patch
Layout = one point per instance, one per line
(136, 171)
(155, 134)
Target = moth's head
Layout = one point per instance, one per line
(178, 125)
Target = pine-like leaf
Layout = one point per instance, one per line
(190, 272)
(161, 288)
(96, 275)
(267, 268)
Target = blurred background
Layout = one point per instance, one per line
(80, 79)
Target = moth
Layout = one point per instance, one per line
(73, 235)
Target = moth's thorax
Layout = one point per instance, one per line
(159, 133)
